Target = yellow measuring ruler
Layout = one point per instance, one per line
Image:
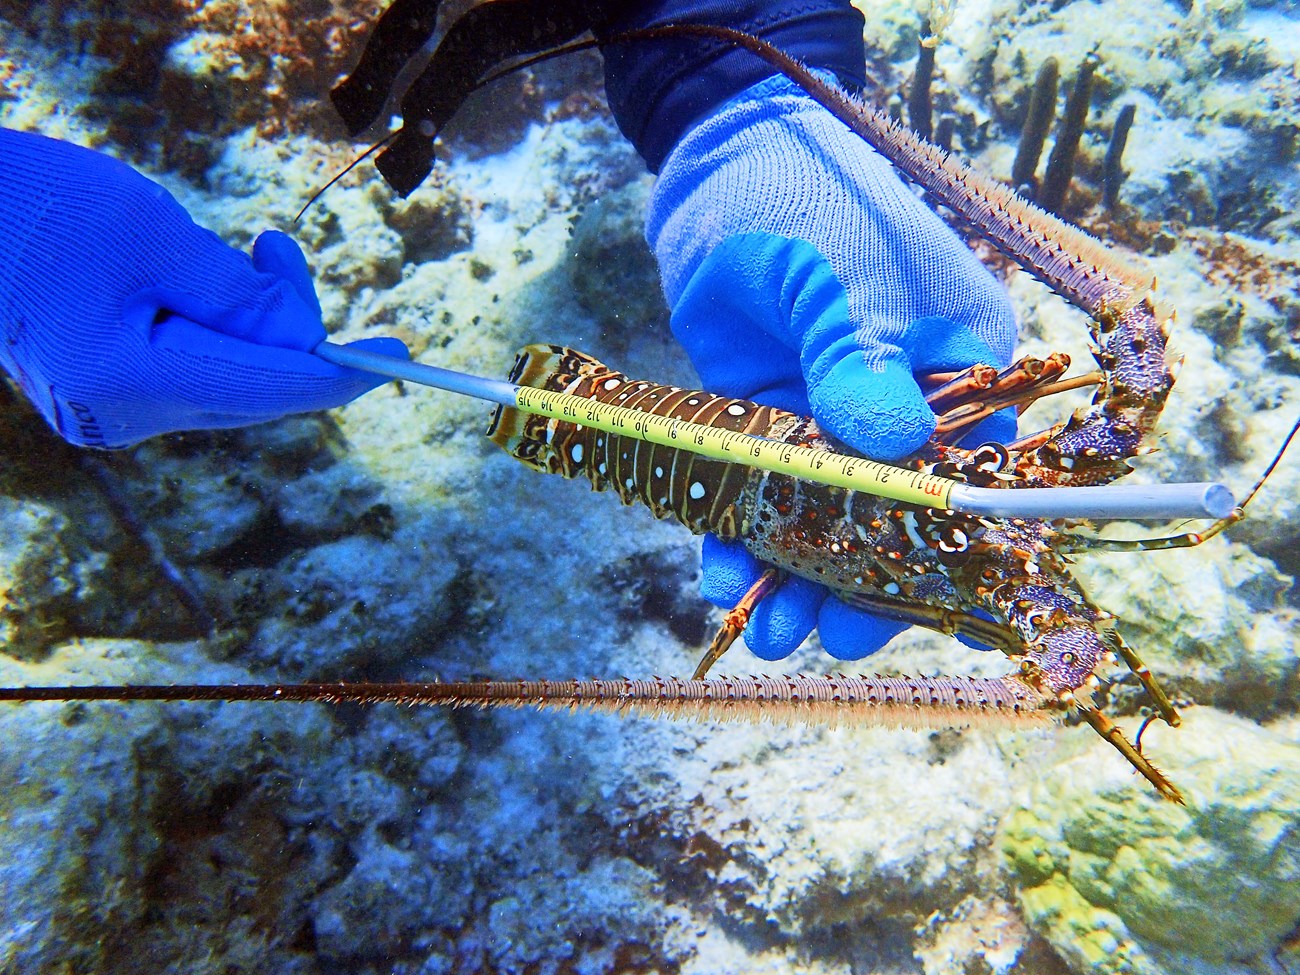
(729, 446)
(1198, 500)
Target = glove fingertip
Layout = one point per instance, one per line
(384, 345)
(275, 252)
(851, 634)
(783, 621)
(880, 412)
(728, 571)
(973, 644)
(365, 381)
(775, 637)
(278, 254)
(999, 428)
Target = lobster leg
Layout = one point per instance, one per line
(1091, 543)
(1156, 693)
(1033, 441)
(937, 618)
(1085, 543)
(959, 387)
(1112, 733)
(1149, 684)
(968, 397)
(734, 623)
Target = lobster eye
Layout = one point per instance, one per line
(990, 458)
(1035, 618)
(953, 539)
(953, 548)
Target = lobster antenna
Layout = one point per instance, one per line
(573, 47)
(914, 702)
(1269, 470)
(1191, 539)
(1239, 511)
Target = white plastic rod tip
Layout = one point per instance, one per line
(1199, 499)
(492, 390)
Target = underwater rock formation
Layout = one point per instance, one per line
(170, 75)
(109, 813)
(1038, 120)
(1214, 626)
(614, 275)
(1068, 132)
(45, 573)
(855, 836)
(1112, 166)
(1119, 882)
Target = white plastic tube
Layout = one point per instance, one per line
(1117, 501)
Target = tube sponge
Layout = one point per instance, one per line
(1112, 169)
(1042, 109)
(1060, 164)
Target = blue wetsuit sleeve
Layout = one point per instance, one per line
(657, 88)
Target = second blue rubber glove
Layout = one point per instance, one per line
(121, 318)
(803, 274)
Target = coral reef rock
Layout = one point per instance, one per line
(1120, 881)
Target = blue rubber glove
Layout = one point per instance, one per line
(803, 274)
(121, 318)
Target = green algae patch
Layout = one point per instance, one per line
(1091, 939)
(1120, 881)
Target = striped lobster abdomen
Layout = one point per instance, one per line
(704, 495)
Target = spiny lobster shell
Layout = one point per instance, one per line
(923, 566)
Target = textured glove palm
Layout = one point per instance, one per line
(121, 318)
(803, 274)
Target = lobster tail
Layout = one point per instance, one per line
(704, 495)
(527, 437)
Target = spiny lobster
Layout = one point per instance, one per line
(936, 568)
(1001, 581)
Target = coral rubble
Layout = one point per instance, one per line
(1121, 883)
